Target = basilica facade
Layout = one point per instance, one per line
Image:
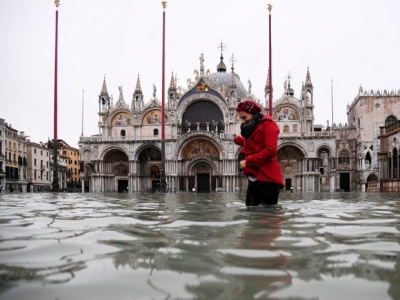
(126, 154)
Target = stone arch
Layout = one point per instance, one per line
(202, 173)
(180, 143)
(145, 147)
(121, 118)
(199, 146)
(86, 154)
(149, 161)
(201, 114)
(286, 144)
(115, 155)
(287, 112)
(119, 162)
(291, 157)
(193, 166)
(189, 101)
(112, 148)
(372, 184)
(153, 116)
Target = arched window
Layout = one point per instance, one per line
(344, 157)
(155, 132)
(390, 120)
(123, 132)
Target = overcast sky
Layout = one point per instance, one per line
(352, 42)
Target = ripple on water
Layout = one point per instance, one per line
(199, 246)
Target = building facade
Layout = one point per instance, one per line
(359, 147)
(389, 155)
(16, 160)
(126, 154)
(38, 169)
(2, 154)
(70, 156)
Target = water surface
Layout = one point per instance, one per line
(199, 246)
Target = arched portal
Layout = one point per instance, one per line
(198, 157)
(149, 166)
(116, 162)
(291, 159)
(372, 183)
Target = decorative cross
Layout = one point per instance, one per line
(221, 47)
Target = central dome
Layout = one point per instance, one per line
(221, 79)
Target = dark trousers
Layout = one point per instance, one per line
(265, 193)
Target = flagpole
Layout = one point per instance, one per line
(83, 102)
(270, 64)
(332, 100)
(55, 183)
(162, 173)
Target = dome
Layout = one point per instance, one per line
(221, 78)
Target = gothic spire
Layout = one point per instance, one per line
(308, 84)
(104, 91)
(138, 88)
(172, 85)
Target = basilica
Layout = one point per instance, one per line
(128, 154)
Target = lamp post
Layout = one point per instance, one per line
(163, 184)
(55, 184)
(270, 64)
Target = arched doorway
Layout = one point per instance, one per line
(372, 183)
(290, 157)
(198, 157)
(149, 168)
(202, 173)
(117, 162)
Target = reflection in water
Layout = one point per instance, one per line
(199, 246)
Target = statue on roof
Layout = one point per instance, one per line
(154, 91)
(201, 60)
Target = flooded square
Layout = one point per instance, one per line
(199, 246)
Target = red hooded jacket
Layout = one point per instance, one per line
(260, 151)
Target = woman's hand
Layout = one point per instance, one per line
(242, 164)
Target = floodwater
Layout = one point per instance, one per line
(199, 246)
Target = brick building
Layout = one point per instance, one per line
(358, 142)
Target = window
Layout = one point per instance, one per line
(123, 132)
(34, 162)
(344, 157)
(390, 120)
(155, 132)
(34, 151)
